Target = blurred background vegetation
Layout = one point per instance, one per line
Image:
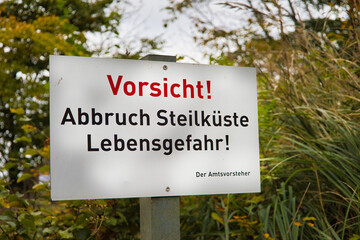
(307, 54)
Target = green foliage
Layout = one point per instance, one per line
(219, 217)
(308, 81)
(30, 31)
(281, 219)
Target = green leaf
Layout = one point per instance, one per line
(216, 217)
(27, 165)
(25, 119)
(9, 165)
(111, 221)
(23, 139)
(44, 169)
(31, 152)
(82, 234)
(4, 193)
(36, 214)
(23, 177)
(27, 221)
(12, 224)
(7, 220)
(47, 86)
(65, 234)
(50, 230)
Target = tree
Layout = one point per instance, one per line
(30, 31)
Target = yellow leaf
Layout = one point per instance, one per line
(45, 152)
(309, 219)
(28, 128)
(39, 186)
(267, 236)
(2, 8)
(4, 204)
(23, 177)
(16, 203)
(19, 111)
(355, 237)
(216, 217)
(256, 199)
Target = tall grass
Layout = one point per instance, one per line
(318, 109)
(309, 115)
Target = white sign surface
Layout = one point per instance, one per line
(131, 128)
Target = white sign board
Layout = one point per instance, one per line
(132, 128)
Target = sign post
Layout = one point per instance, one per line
(160, 216)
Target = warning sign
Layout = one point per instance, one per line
(130, 128)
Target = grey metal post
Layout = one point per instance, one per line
(160, 216)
